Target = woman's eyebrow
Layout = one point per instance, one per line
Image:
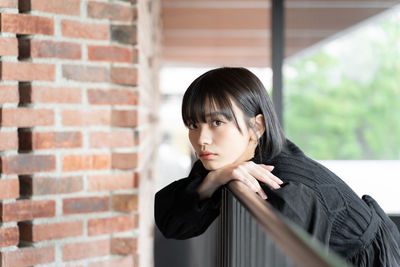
(216, 114)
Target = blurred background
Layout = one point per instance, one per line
(340, 93)
(341, 80)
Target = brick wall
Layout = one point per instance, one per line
(78, 131)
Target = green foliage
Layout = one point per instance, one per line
(333, 114)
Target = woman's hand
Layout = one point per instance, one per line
(247, 172)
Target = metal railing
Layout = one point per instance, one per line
(252, 234)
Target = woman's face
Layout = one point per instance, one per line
(218, 142)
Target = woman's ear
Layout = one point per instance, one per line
(258, 125)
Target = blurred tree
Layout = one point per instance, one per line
(335, 108)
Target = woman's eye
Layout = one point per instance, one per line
(217, 123)
(192, 126)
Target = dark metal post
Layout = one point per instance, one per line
(278, 44)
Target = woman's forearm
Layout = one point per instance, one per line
(209, 185)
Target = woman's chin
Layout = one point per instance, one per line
(211, 166)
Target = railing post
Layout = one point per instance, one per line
(277, 47)
(252, 234)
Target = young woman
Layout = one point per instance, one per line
(236, 135)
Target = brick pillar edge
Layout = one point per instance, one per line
(78, 131)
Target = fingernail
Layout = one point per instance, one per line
(264, 196)
(270, 167)
(280, 181)
(277, 186)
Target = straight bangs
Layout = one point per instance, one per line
(202, 101)
(215, 91)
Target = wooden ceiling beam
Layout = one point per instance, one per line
(235, 30)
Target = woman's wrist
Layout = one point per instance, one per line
(209, 185)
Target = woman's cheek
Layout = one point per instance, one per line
(192, 138)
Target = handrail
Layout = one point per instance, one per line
(290, 240)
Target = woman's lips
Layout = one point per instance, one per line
(207, 155)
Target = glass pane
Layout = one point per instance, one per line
(342, 92)
(342, 97)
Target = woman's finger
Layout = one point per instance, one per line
(265, 178)
(263, 175)
(240, 175)
(252, 180)
(262, 194)
(255, 185)
(268, 168)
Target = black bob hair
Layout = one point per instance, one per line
(218, 87)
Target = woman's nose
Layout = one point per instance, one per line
(205, 137)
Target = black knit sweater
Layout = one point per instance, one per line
(311, 196)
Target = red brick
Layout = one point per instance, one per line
(112, 54)
(9, 236)
(110, 182)
(113, 97)
(27, 117)
(111, 11)
(31, 48)
(27, 164)
(49, 140)
(137, 180)
(113, 139)
(124, 118)
(86, 162)
(142, 135)
(9, 3)
(125, 202)
(124, 161)
(86, 73)
(27, 210)
(42, 94)
(9, 188)
(86, 118)
(51, 6)
(9, 94)
(27, 256)
(83, 30)
(39, 232)
(83, 250)
(27, 71)
(85, 204)
(36, 186)
(120, 262)
(26, 24)
(124, 75)
(8, 141)
(124, 245)
(111, 225)
(124, 34)
(8, 46)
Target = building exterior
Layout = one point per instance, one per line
(79, 134)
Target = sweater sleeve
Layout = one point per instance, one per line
(178, 211)
(303, 206)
